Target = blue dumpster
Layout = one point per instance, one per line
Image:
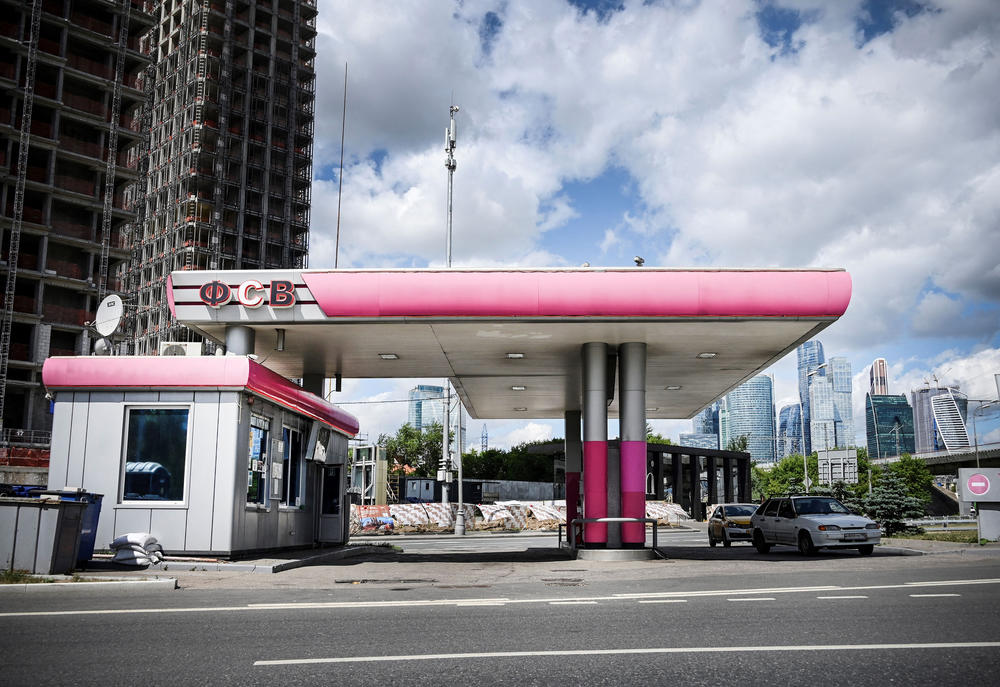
(88, 530)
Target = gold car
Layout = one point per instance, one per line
(730, 522)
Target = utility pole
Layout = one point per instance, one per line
(450, 164)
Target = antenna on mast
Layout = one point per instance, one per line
(340, 192)
(451, 164)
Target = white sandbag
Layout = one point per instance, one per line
(130, 557)
(143, 539)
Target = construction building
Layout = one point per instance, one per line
(230, 163)
(71, 148)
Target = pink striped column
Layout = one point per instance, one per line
(595, 442)
(632, 424)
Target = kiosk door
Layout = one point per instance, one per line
(333, 511)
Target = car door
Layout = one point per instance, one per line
(715, 524)
(766, 521)
(784, 523)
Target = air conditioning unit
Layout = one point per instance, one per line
(180, 348)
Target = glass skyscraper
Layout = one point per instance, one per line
(699, 440)
(840, 373)
(426, 406)
(822, 423)
(889, 425)
(750, 413)
(810, 357)
(878, 378)
(935, 427)
(790, 430)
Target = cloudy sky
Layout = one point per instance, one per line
(723, 133)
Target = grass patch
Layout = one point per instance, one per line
(20, 577)
(958, 536)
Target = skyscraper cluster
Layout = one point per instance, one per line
(138, 138)
(933, 419)
(823, 418)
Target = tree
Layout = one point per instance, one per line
(916, 477)
(890, 504)
(738, 443)
(654, 437)
(785, 476)
(410, 447)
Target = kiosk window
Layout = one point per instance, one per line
(155, 454)
(257, 465)
(292, 458)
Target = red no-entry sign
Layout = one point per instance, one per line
(978, 484)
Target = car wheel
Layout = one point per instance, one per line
(806, 547)
(725, 539)
(759, 543)
(711, 539)
(866, 550)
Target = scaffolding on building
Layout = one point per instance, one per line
(230, 150)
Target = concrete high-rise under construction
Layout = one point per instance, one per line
(71, 148)
(230, 166)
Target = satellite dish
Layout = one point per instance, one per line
(109, 315)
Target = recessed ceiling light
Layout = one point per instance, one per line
(651, 410)
(517, 387)
(520, 410)
(515, 356)
(388, 356)
(673, 387)
(706, 355)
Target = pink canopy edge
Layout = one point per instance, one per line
(623, 293)
(177, 372)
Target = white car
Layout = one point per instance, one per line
(811, 523)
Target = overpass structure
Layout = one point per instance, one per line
(947, 462)
(584, 344)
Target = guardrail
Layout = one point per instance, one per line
(945, 523)
(575, 526)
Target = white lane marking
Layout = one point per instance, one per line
(663, 601)
(572, 603)
(754, 598)
(845, 596)
(453, 602)
(618, 652)
(925, 596)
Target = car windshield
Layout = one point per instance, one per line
(739, 511)
(820, 507)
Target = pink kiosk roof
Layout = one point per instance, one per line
(465, 324)
(197, 373)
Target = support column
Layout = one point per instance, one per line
(727, 479)
(632, 428)
(713, 480)
(743, 478)
(240, 340)
(677, 477)
(313, 383)
(574, 464)
(694, 470)
(595, 441)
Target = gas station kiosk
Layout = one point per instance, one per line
(212, 455)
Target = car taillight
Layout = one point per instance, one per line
(828, 528)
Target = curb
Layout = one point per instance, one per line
(165, 584)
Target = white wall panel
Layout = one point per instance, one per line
(167, 525)
(202, 464)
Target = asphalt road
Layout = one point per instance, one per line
(452, 615)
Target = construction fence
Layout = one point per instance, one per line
(504, 515)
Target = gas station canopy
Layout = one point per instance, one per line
(510, 340)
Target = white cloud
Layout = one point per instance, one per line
(532, 431)
(881, 159)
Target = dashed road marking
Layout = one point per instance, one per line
(845, 596)
(926, 596)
